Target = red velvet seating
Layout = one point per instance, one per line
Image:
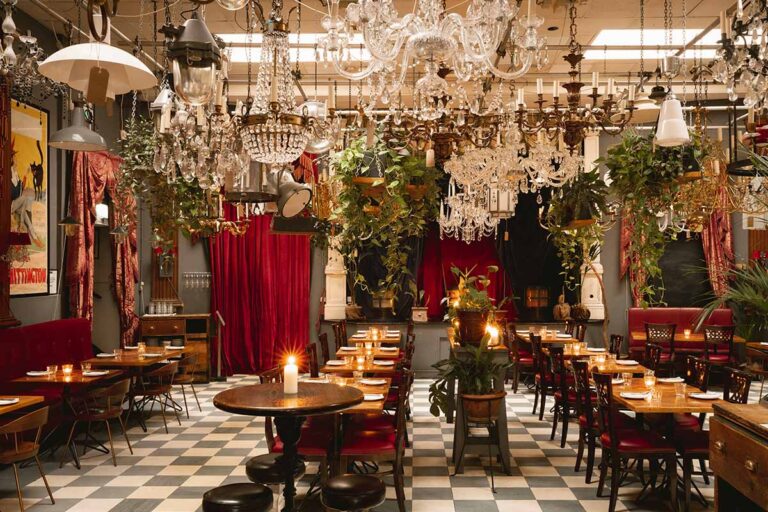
(684, 318)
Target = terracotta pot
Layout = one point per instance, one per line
(417, 192)
(367, 186)
(471, 326)
(482, 408)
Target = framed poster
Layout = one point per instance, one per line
(29, 199)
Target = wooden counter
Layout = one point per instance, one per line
(193, 329)
(738, 451)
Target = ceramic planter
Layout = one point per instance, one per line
(482, 408)
(471, 326)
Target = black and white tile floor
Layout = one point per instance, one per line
(170, 472)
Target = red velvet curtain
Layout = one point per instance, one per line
(93, 174)
(260, 286)
(717, 241)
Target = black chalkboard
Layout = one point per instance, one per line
(684, 273)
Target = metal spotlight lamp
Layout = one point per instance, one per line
(78, 136)
(70, 225)
(195, 57)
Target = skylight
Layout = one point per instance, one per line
(651, 38)
(303, 46)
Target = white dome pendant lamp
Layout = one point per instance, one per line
(671, 129)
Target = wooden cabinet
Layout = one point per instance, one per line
(738, 451)
(194, 330)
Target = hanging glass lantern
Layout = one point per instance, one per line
(195, 57)
(232, 5)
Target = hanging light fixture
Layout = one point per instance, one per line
(292, 197)
(232, 5)
(195, 57)
(671, 129)
(78, 136)
(70, 225)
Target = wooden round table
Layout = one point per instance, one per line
(290, 412)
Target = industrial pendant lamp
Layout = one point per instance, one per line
(195, 58)
(78, 136)
(671, 129)
(292, 197)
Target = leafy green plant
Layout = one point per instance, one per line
(473, 290)
(386, 220)
(645, 178)
(474, 373)
(747, 296)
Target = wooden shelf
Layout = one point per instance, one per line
(196, 335)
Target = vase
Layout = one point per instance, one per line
(471, 326)
(482, 408)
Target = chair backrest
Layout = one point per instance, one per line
(540, 363)
(696, 372)
(605, 407)
(325, 350)
(652, 356)
(340, 334)
(164, 374)
(570, 325)
(580, 331)
(411, 329)
(559, 371)
(510, 339)
(22, 429)
(718, 337)
(661, 334)
(410, 349)
(736, 386)
(404, 393)
(187, 364)
(314, 368)
(271, 376)
(584, 403)
(617, 340)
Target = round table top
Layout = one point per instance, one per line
(269, 400)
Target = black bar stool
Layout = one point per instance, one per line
(243, 497)
(264, 469)
(353, 493)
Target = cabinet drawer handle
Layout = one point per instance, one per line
(750, 465)
(720, 446)
(151, 327)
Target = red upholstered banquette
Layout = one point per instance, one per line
(684, 318)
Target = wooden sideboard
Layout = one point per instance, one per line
(738, 453)
(194, 330)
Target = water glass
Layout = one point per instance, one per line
(86, 367)
(627, 376)
(649, 380)
(680, 388)
(166, 344)
(67, 369)
(52, 369)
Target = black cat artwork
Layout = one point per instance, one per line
(38, 174)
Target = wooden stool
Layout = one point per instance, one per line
(353, 493)
(238, 498)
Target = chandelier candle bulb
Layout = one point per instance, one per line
(609, 89)
(430, 158)
(555, 89)
(291, 377)
(521, 96)
(631, 92)
(595, 79)
(539, 86)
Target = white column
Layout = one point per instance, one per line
(335, 284)
(591, 151)
(591, 293)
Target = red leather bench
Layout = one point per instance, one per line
(33, 347)
(684, 318)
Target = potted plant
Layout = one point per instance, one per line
(473, 305)
(581, 202)
(747, 296)
(475, 374)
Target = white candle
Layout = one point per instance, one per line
(631, 92)
(595, 79)
(430, 157)
(539, 86)
(555, 89)
(291, 377)
(751, 115)
(521, 96)
(739, 8)
(331, 96)
(609, 89)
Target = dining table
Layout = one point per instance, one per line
(548, 337)
(391, 338)
(680, 337)
(378, 353)
(382, 367)
(10, 403)
(613, 366)
(133, 358)
(662, 399)
(289, 412)
(371, 387)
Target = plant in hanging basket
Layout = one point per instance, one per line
(472, 307)
(580, 202)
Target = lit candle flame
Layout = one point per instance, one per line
(291, 360)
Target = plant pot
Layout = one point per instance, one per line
(580, 223)
(580, 312)
(419, 314)
(368, 188)
(417, 192)
(353, 312)
(471, 326)
(482, 408)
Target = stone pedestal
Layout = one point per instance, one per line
(591, 293)
(335, 285)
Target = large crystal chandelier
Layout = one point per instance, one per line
(743, 56)
(273, 130)
(466, 45)
(550, 164)
(465, 215)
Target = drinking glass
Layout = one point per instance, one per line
(67, 369)
(680, 389)
(627, 376)
(166, 344)
(52, 369)
(86, 367)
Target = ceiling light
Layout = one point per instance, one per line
(78, 136)
(232, 5)
(293, 197)
(195, 57)
(72, 65)
(671, 129)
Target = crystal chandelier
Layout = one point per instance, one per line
(467, 45)
(465, 215)
(743, 56)
(273, 130)
(572, 119)
(550, 165)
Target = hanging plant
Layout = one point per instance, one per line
(173, 206)
(646, 180)
(379, 212)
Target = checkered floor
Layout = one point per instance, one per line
(170, 472)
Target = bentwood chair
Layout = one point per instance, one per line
(155, 386)
(620, 445)
(186, 377)
(100, 405)
(19, 442)
(695, 445)
(616, 342)
(325, 350)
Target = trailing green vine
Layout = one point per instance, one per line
(383, 214)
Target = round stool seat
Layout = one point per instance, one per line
(264, 469)
(242, 497)
(351, 493)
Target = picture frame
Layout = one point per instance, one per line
(30, 179)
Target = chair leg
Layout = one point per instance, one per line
(170, 397)
(45, 480)
(579, 450)
(672, 475)
(125, 434)
(18, 487)
(566, 419)
(687, 471)
(615, 480)
(515, 378)
(603, 471)
(535, 399)
(554, 422)
(87, 434)
(70, 448)
(703, 466)
(194, 392)
(590, 456)
(399, 488)
(184, 395)
(543, 402)
(111, 446)
(162, 413)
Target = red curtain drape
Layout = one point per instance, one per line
(260, 286)
(93, 174)
(717, 242)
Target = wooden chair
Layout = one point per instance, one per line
(565, 396)
(155, 386)
(616, 342)
(519, 354)
(652, 356)
(314, 368)
(97, 405)
(340, 334)
(619, 445)
(757, 366)
(382, 446)
(580, 331)
(186, 377)
(544, 381)
(325, 350)
(663, 335)
(718, 345)
(19, 442)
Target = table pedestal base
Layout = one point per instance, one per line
(289, 430)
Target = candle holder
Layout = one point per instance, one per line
(649, 379)
(66, 369)
(687, 333)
